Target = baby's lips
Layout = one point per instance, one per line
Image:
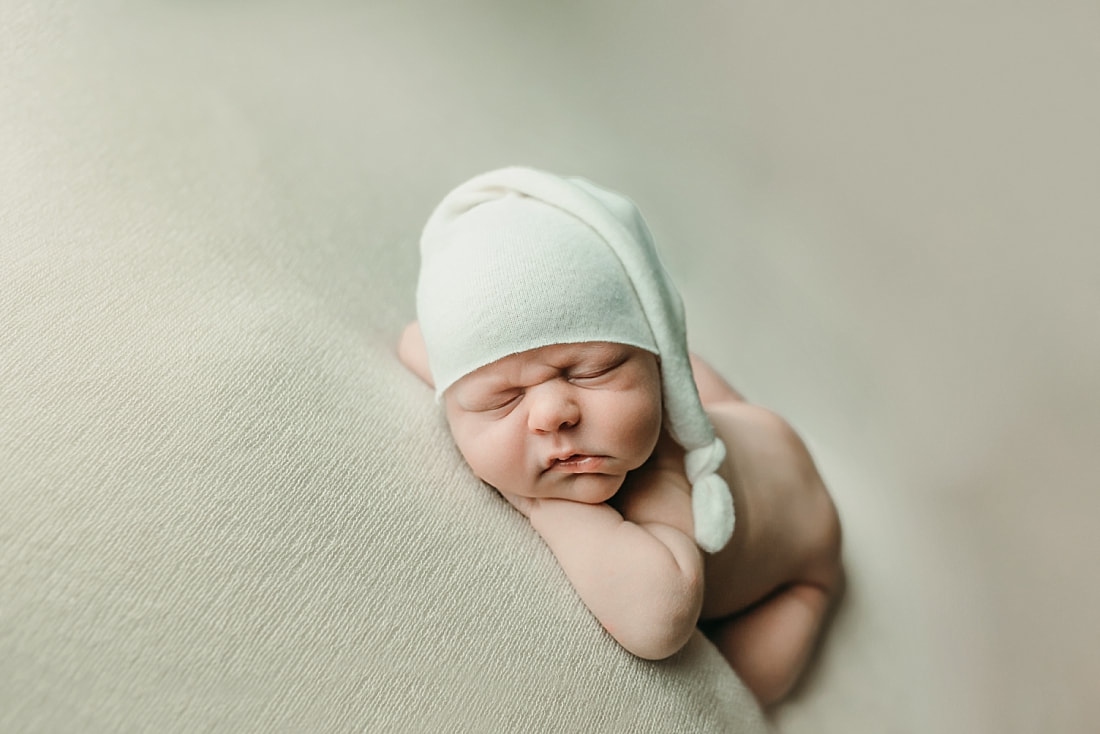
(577, 464)
(562, 455)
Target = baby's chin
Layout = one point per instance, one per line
(591, 489)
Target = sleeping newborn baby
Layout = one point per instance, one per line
(556, 343)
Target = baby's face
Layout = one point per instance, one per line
(566, 421)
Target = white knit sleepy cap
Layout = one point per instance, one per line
(517, 259)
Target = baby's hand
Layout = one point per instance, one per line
(524, 504)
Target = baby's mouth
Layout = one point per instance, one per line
(576, 463)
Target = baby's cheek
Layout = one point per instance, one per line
(490, 455)
(644, 420)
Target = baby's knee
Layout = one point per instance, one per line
(829, 549)
(824, 567)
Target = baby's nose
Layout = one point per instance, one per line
(552, 408)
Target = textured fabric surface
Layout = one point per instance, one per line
(224, 506)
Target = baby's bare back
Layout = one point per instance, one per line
(787, 530)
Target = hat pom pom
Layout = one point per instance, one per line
(712, 508)
(711, 502)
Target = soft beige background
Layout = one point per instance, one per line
(884, 221)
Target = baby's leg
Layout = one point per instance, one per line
(769, 591)
(770, 644)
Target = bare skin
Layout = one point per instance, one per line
(619, 520)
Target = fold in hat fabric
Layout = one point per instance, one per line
(517, 259)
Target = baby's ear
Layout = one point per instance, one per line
(414, 354)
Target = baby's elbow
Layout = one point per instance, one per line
(659, 646)
(665, 627)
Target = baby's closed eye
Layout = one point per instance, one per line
(594, 373)
(495, 402)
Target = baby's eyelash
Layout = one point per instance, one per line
(596, 373)
(504, 402)
(589, 375)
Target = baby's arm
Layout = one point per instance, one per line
(639, 572)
